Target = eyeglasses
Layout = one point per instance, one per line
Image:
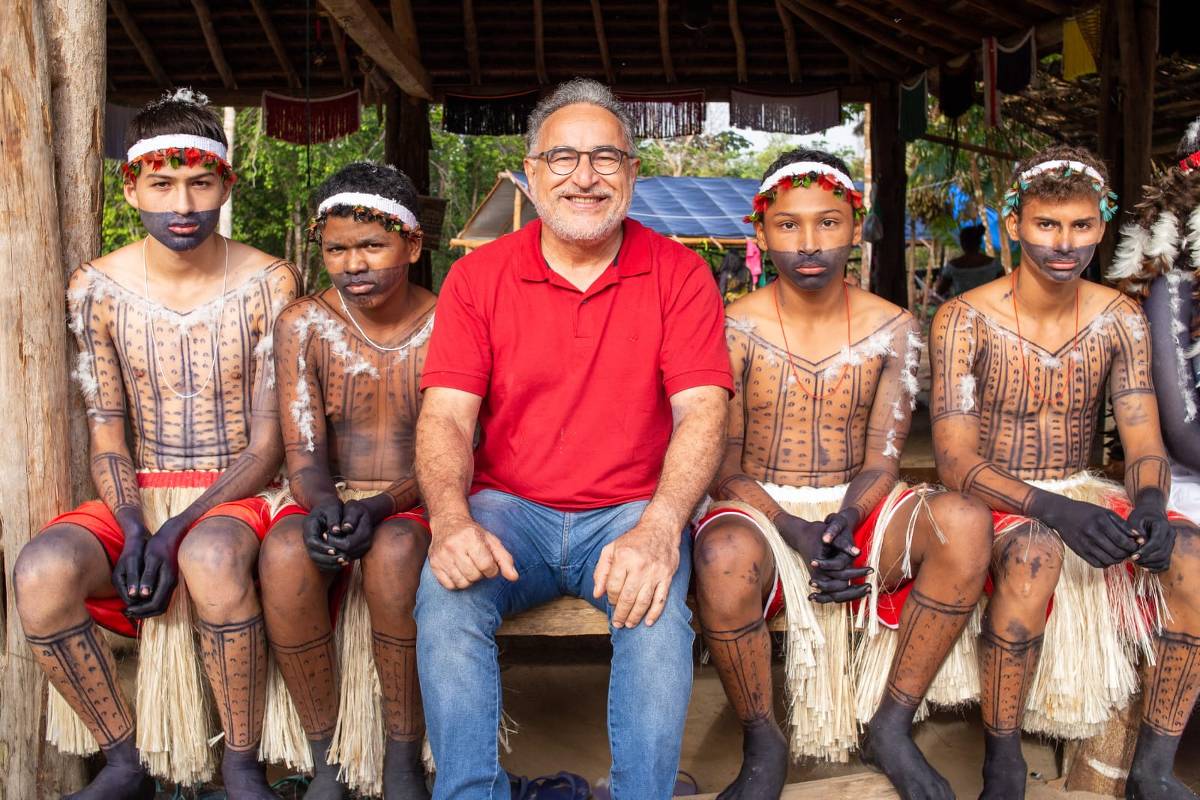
(605, 160)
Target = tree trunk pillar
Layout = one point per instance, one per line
(407, 141)
(888, 274)
(33, 365)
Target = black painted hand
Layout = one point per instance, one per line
(160, 572)
(353, 537)
(829, 562)
(1097, 535)
(322, 524)
(1149, 520)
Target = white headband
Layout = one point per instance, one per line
(384, 204)
(1046, 166)
(179, 140)
(799, 168)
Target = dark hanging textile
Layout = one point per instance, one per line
(116, 119)
(1015, 65)
(500, 115)
(319, 119)
(956, 90)
(913, 109)
(1177, 30)
(659, 115)
(800, 114)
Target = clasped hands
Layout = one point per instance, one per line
(337, 533)
(1102, 538)
(147, 571)
(829, 551)
(634, 570)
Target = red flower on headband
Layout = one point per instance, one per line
(193, 156)
(827, 181)
(856, 197)
(154, 161)
(761, 201)
(1191, 162)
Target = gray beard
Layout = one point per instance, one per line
(566, 229)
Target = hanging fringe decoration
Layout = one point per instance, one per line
(914, 108)
(499, 115)
(798, 114)
(661, 115)
(956, 86)
(289, 118)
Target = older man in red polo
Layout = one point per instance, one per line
(591, 352)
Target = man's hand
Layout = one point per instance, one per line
(635, 571)
(1149, 520)
(323, 523)
(462, 552)
(1100, 537)
(829, 551)
(159, 571)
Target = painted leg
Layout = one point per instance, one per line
(734, 571)
(950, 577)
(1025, 567)
(1172, 684)
(52, 576)
(217, 560)
(391, 572)
(296, 607)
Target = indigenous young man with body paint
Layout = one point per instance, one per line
(349, 361)
(589, 349)
(174, 336)
(1156, 263)
(1019, 371)
(825, 385)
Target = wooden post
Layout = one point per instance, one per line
(1101, 764)
(33, 368)
(407, 141)
(1137, 32)
(1108, 120)
(229, 119)
(890, 181)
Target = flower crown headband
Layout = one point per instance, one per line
(1190, 162)
(367, 207)
(1012, 198)
(178, 149)
(805, 173)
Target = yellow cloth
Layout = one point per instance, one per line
(1080, 48)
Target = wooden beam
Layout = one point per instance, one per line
(848, 21)
(997, 10)
(1137, 33)
(405, 26)
(926, 11)
(264, 19)
(888, 278)
(871, 63)
(214, 44)
(339, 46)
(1054, 6)
(973, 148)
(739, 42)
(602, 40)
(153, 66)
(908, 26)
(539, 42)
(789, 42)
(664, 40)
(367, 28)
(471, 37)
(33, 356)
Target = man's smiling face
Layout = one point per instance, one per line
(583, 206)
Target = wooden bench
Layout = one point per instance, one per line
(571, 616)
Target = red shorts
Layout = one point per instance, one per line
(96, 518)
(890, 603)
(341, 583)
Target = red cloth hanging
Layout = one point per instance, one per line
(320, 119)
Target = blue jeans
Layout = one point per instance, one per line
(555, 554)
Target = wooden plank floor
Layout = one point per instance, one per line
(861, 786)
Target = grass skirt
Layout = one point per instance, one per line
(1101, 622)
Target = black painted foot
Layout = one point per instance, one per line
(244, 776)
(1004, 768)
(122, 778)
(764, 764)
(325, 784)
(403, 773)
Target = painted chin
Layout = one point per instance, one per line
(181, 232)
(1061, 266)
(371, 289)
(811, 272)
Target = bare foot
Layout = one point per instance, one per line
(122, 778)
(403, 772)
(325, 784)
(897, 756)
(764, 764)
(244, 777)
(1003, 768)
(1151, 776)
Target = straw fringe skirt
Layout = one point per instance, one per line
(837, 661)
(1101, 623)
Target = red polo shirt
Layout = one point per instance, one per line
(575, 385)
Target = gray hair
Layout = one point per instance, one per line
(573, 92)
